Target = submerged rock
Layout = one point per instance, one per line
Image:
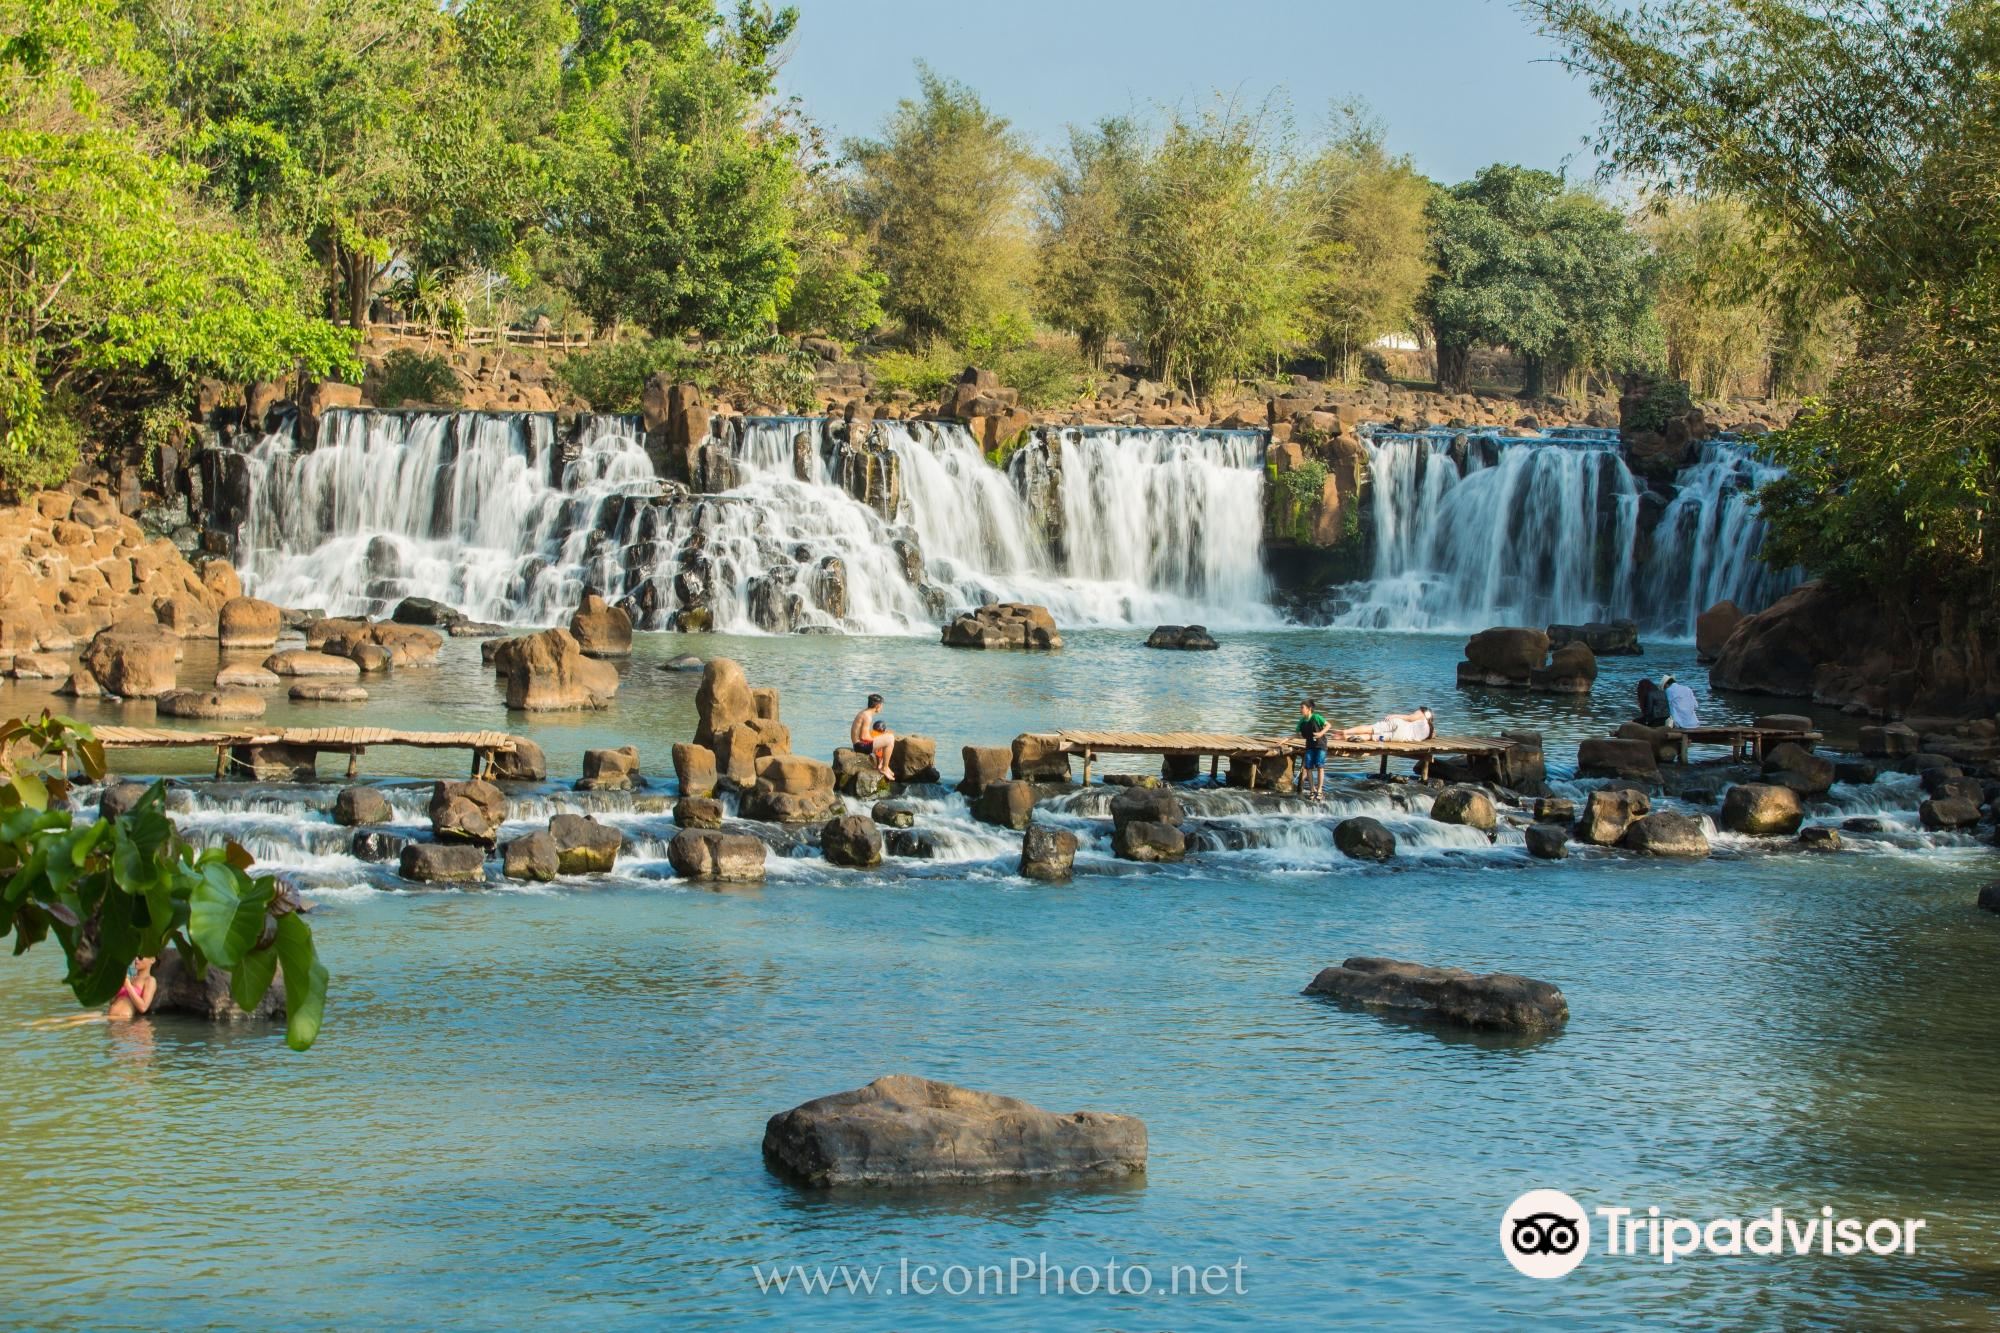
(1989, 897)
(902, 1130)
(1819, 838)
(532, 857)
(609, 770)
(207, 996)
(1187, 638)
(1147, 840)
(1047, 854)
(548, 672)
(1762, 809)
(1548, 842)
(372, 845)
(443, 863)
(1468, 806)
(1610, 757)
(698, 812)
(1945, 813)
(893, 814)
(355, 806)
(215, 705)
(704, 854)
(584, 846)
(1006, 805)
(985, 764)
(1500, 1000)
(916, 843)
(1665, 833)
(1794, 766)
(1608, 812)
(467, 811)
(1364, 838)
(851, 840)
(1005, 625)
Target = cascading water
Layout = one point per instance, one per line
(510, 519)
(1472, 531)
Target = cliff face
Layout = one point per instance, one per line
(73, 563)
(1865, 654)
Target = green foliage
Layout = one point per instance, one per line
(612, 377)
(1047, 374)
(117, 286)
(1866, 138)
(113, 890)
(838, 291)
(1212, 252)
(942, 197)
(410, 376)
(925, 370)
(1665, 401)
(1081, 283)
(1553, 273)
(1306, 483)
(1365, 257)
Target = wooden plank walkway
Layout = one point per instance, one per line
(1224, 745)
(351, 741)
(1745, 742)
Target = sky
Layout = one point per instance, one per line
(1457, 84)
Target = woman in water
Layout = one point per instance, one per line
(135, 997)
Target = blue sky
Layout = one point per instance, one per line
(1458, 83)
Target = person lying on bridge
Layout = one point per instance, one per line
(1416, 725)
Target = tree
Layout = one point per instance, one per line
(676, 183)
(1365, 257)
(117, 286)
(1081, 281)
(1867, 134)
(1714, 325)
(1213, 253)
(117, 889)
(942, 196)
(1524, 262)
(838, 291)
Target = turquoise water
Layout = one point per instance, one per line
(544, 1107)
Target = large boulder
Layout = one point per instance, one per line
(1047, 854)
(211, 705)
(1780, 649)
(328, 692)
(206, 996)
(1572, 669)
(914, 759)
(243, 676)
(425, 611)
(1895, 740)
(306, 662)
(1148, 840)
(902, 1130)
(986, 764)
(1607, 813)
(1664, 741)
(1762, 810)
(855, 774)
(547, 672)
(1947, 813)
(443, 863)
(356, 806)
(1004, 625)
(1794, 766)
(722, 701)
(1148, 805)
(1039, 758)
(741, 748)
(378, 647)
(1465, 805)
(1609, 757)
(246, 622)
(601, 629)
(133, 662)
(467, 812)
(531, 857)
(791, 789)
(851, 840)
(1364, 838)
(1497, 1000)
(1713, 627)
(1664, 833)
(1006, 805)
(1187, 638)
(609, 770)
(524, 763)
(1617, 638)
(1504, 655)
(694, 769)
(1546, 842)
(698, 812)
(584, 846)
(705, 854)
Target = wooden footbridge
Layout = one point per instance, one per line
(350, 741)
(1217, 746)
(1743, 742)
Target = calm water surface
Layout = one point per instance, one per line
(544, 1107)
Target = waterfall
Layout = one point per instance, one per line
(1472, 531)
(510, 517)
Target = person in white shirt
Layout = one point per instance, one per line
(1680, 704)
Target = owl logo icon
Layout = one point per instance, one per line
(1545, 1233)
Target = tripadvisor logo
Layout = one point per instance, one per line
(1546, 1233)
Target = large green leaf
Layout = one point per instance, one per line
(251, 977)
(225, 914)
(305, 981)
